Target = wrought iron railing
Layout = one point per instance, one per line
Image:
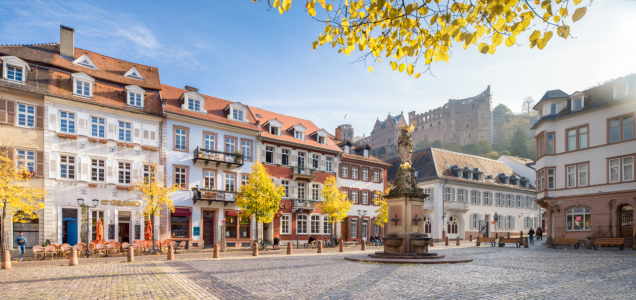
(218, 156)
(304, 203)
(213, 195)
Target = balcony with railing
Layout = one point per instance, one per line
(218, 158)
(300, 205)
(429, 205)
(454, 205)
(303, 173)
(212, 195)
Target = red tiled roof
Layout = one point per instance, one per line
(214, 106)
(110, 69)
(59, 84)
(289, 121)
(371, 159)
(520, 160)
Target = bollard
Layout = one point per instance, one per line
(471, 238)
(363, 247)
(216, 251)
(255, 250)
(72, 261)
(289, 248)
(6, 259)
(432, 242)
(457, 242)
(521, 233)
(446, 241)
(319, 247)
(341, 246)
(525, 242)
(170, 253)
(496, 235)
(131, 253)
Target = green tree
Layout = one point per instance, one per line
(408, 30)
(505, 152)
(421, 145)
(452, 147)
(381, 151)
(469, 149)
(493, 155)
(259, 198)
(483, 147)
(436, 144)
(503, 108)
(518, 143)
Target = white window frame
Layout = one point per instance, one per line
(315, 223)
(124, 172)
(354, 229)
(26, 158)
(285, 156)
(302, 218)
(285, 224)
(376, 175)
(124, 128)
(98, 170)
(631, 168)
(246, 149)
(474, 197)
(354, 172)
(274, 130)
(315, 161)
(448, 194)
(315, 191)
(83, 84)
(285, 184)
(499, 199)
(582, 174)
(301, 190)
(347, 149)
(71, 173)
(550, 143)
(229, 182)
(20, 68)
(328, 164)
(365, 153)
(345, 171)
(509, 200)
(519, 201)
(326, 228)
(299, 135)
(209, 142)
(570, 179)
(98, 129)
(553, 108)
(238, 114)
(28, 117)
(135, 99)
(67, 122)
(193, 104)
(614, 169)
(230, 145)
(365, 197)
(574, 102)
(461, 195)
(209, 180)
(354, 196)
(474, 221)
(181, 177)
(487, 198)
(551, 179)
(365, 174)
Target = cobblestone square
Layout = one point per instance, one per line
(496, 273)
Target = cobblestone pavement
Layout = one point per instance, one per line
(498, 273)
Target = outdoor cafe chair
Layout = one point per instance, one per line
(181, 247)
(81, 249)
(49, 250)
(136, 247)
(100, 249)
(38, 250)
(65, 249)
(117, 247)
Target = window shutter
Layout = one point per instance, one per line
(112, 128)
(320, 192)
(53, 165)
(452, 194)
(136, 133)
(52, 118)
(294, 160)
(293, 189)
(264, 155)
(3, 111)
(39, 164)
(340, 171)
(81, 123)
(513, 223)
(136, 172)
(478, 198)
(160, 173)
(278, 156)
(145, 139)
(110, 171)
(83, 163)
(11, 112)
(39, 117)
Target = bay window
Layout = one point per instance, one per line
(550, 144)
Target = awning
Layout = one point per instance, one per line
(231, 213)
(181, 212)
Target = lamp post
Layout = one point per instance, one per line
(496, 219)
(361, 213)
(80, 202)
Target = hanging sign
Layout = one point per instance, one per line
(121, 202)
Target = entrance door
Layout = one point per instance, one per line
(208, 228)
(626, 218)
(124, 227)
(69, 226)
(452, 227)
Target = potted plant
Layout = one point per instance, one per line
(237, 155)
(103, 141)
(25, 174)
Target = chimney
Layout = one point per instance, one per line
(67, 42)
(339, 134)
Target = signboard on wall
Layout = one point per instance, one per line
(111, 231)
(195, 231)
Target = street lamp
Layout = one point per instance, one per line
(80, 202)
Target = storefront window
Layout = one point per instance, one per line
(179, 226)
(244, 227)
(230, 224)
(578, 218)
(96, 215)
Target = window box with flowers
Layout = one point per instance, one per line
(127, 188)
(92, 185)
(94, 140)
(25, 174)
(130, 145)
(68, 136)
(103, 141)
(121, 144)
(149, 148)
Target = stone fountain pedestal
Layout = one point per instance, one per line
(406, 242)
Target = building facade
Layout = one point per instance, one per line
(210, 145)
(585, 153)
(101, 122)
(465, 193)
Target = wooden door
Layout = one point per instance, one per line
(626, 219)
(208, 228)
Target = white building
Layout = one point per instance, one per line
(467, 190)
(210, 146)
(522, 166)
(585, 160)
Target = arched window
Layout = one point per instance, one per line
(452, 225)
(578, 218)
(427, 225)
(29, 226)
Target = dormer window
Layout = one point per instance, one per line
(460, 174)
(194, 104)
(299, 135)
(577, 103)
(135, 96)
(274, 130)
(620, 90)
(14, 69)
(321, 140)
(83, 85)
(237, 114)
(347, 149)
(134, 74)
(365, 153)
(85, 61)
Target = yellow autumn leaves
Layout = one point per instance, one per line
(413, 32)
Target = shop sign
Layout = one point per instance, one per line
(578, 218)
(121, 202)
(196, 231)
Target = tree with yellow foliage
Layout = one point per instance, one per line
(382, 212)
(16, 198)
(259, 198)
(407, 30)
(335, 202)
(156, 196)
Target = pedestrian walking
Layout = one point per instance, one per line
(531, 236)
(21, 241)
(539, 234)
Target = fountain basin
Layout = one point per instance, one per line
(420, 244)
(393, 243)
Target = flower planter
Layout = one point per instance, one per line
(149, 148)
(94, 140)
(92, 185)
(127, 188)
(70, 136)
(25, 175)
(121, 144)
(393, 243)
(103, 141)
(130, 145)
(62, 135)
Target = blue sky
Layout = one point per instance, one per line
(243, 52)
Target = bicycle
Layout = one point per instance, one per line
(261, 246)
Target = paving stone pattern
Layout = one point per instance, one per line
(496, 273)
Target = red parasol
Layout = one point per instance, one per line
(99, 234)
(148, 234)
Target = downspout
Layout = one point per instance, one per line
(444, 208)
